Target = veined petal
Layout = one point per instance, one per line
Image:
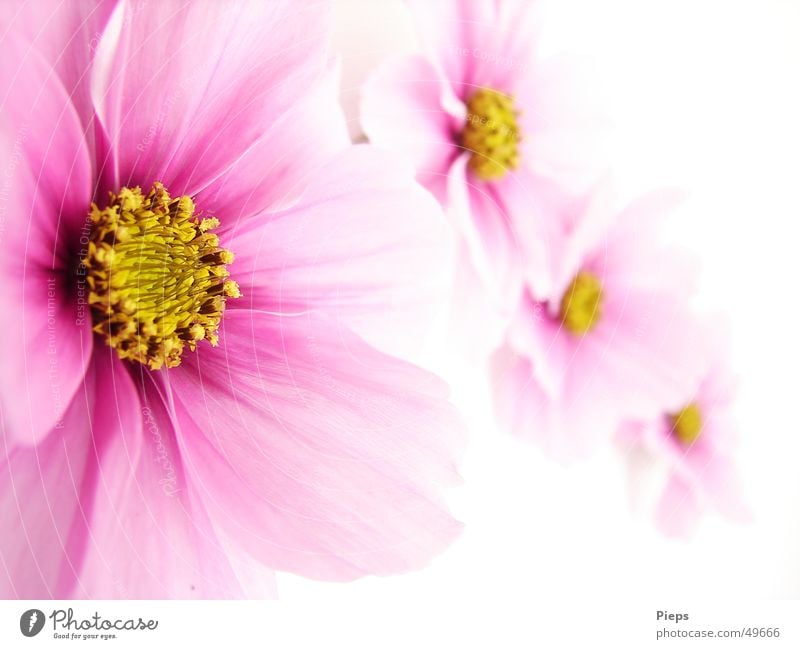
(44, 196)
(183, 88)
(66, 34)
(479, 43)
(365, 244)
(316, 453)
(41, 499)
(146, 535)
(455, 33)
(275, 171)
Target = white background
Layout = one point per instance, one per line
(704, 93)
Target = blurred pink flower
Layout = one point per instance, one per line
(489, 124)
(278, 438)
(605, 335)
(696, 444)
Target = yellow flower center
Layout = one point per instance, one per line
(582, 303)
(157, 277)
(491, 134)
(688, 424)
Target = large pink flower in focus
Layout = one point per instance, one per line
(606, 336)
(490, 124)
(277, 438)
(695, 444)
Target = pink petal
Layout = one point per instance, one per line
(566, 428)
(646, 350)
(45, 155)
(147, 536)
(584, 222)
(630, 255)
(710, 464)
(404, 109)
(317, 454)
(540, 338)
(482, 219)
(478, 43)
(534, 207)
(46, 342)
(277, 168)
(41, 492)
(184, 89)
(365, 244)
(678, 510)
(453, 30)
(515, 41)
(66, 34)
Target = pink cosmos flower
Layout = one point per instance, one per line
(489, 124)
(194, 260)
(695, 444)
(605, 335)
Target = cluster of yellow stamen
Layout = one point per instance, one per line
(582, 303)
(157, 277)
(491, 134)
(687, 425)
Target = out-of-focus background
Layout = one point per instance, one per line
(706, 94)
